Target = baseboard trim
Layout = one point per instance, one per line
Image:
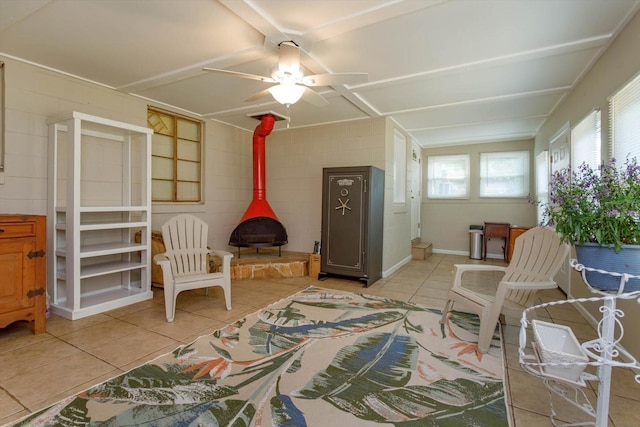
(464, 253)
(396, 267)
(449, 252)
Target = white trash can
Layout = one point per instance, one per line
(475, 243)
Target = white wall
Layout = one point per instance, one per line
(618, 65)
(34, 95)
(295, 159)
(445, 223)
(397, 217)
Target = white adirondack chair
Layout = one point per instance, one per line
(184, 264)
(538, 255)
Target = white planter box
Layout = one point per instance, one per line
(558, 344)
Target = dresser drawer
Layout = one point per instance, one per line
(9, 230)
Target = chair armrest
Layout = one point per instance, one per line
(161, 259)
(165, 263)
(479, 267)
(460, 269)
(226, 260)
(530, 285)
(222, 254)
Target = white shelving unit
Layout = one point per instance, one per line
(604, 353)
(99, 197)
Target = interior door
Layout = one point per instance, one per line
(415, 189)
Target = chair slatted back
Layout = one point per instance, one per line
(185, 238)
(537, 256)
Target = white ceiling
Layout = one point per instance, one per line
(448, 72)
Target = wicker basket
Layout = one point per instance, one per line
(157, 247)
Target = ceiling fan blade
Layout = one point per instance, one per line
(289, 59)
(241, 75)
(258, 95)
(313, 97)
(335, 79)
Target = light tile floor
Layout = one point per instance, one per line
(38, 370)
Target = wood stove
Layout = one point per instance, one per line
(259, 226)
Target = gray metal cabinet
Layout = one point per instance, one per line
(352, 222)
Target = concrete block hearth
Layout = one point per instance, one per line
(261, 264)
(266, 264)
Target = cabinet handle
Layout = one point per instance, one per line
(38, 254)
(33, 292)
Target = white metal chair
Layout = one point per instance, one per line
(538, 255)
(184, 264)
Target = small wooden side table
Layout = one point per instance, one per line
(514, 232)
(496, 229)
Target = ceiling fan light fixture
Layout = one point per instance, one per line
(287, 94)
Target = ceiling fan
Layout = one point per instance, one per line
(289, 82)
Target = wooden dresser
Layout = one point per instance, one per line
(514, 232)
(496, 229)
(23, 270)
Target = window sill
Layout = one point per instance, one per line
(178, 208)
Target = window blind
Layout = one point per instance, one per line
(504, 174)
(448, 176)
(624, 110)
(585, 142)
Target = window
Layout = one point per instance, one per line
(448, 177)
(176, 157)
(399, 168)
(624, 110)
(504, 174)
(585, 142)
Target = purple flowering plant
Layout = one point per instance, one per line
(598, 206)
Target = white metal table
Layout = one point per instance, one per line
(605, 352)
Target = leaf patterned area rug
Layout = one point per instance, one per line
(317, 358)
